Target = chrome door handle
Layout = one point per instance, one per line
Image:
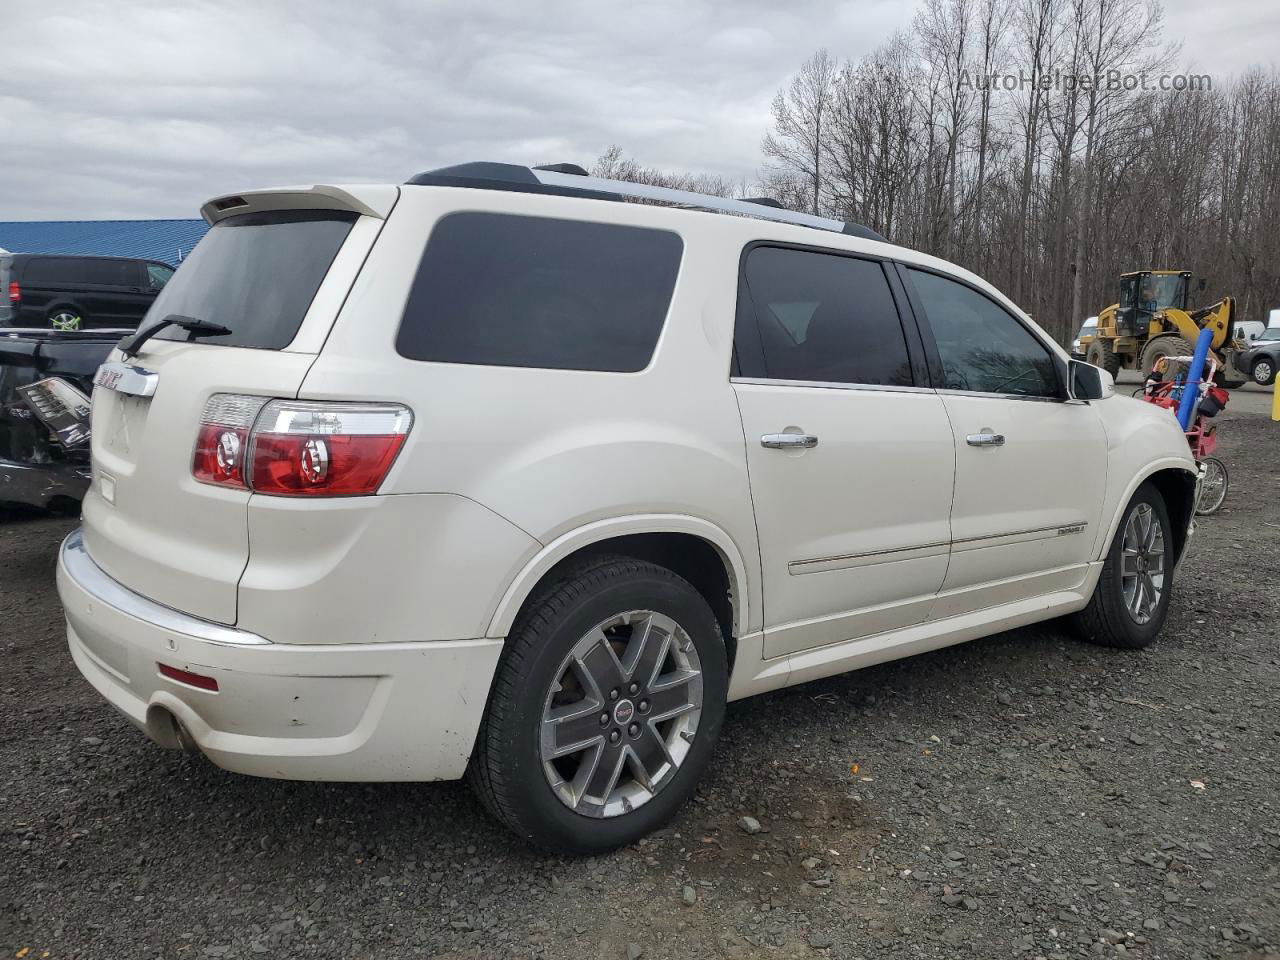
(788, 441)
(985, 439)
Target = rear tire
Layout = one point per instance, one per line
(1122, 611)
(556, 759)
(1264, 372)
(1165, 346)
(66, 318)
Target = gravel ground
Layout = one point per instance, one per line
(1020, 796)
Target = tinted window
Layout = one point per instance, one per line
(158, 275)
(533, 292)
(115, 273)
(53, 270)
(819, 317)
(982, 346)
(255, 274)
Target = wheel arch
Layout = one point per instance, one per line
(1177, 485)
(696, 549)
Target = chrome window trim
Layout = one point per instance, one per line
(93, 580)
(830, 385)
(951, 392)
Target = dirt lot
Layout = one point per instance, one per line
(1020, 796)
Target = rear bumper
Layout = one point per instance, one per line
(393, 711)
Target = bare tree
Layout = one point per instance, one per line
(800, 116)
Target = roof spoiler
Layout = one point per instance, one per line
(571, 180)
(368, 201)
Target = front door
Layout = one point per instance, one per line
(850, 455)
(1031, 468)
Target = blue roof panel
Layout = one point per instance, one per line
(167, 240)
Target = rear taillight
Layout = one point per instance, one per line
(299, 448)
(222, 442)
(15, 292)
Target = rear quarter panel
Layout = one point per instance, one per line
(552, 451)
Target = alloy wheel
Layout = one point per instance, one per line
(1142, 571)
(622, 714)
(1263, 372)
(65, 320)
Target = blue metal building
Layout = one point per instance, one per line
(167, 240)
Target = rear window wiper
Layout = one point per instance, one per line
(194, 326)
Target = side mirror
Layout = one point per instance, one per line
(1087, 382)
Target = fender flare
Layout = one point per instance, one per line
(568, 543)
(1149, 470)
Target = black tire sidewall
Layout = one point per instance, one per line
(545, 818)
(1137, 634)
(1267, 380)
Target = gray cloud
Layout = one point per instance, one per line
(111, 109)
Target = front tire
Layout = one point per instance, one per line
(1264, 371)
(1163, 346)
(1131, 600)
(1101, 355)
(605, 707)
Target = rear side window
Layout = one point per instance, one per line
(53, 270)
(983, 348)
(517, 291)
(255, 274)
(110, 273)
(818, 317)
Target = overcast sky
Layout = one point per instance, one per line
(139, 109)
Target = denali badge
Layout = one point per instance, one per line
(1073, 528)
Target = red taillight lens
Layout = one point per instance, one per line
(298, 448)
(324, 466)
(15, 292)
(222, 441)
(302, 448)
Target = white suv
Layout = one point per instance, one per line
(497, 473)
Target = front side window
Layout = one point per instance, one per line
(158, 275)
(513, 291)
(819, 317)
(982, 346)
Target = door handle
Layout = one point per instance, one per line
(788, 441)
(985, 439)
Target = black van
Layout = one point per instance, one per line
(77, 293)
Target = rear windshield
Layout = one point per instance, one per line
(518, 291)
(255, 274)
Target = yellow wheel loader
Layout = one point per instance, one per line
(1152, 321)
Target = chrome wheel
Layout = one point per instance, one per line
(1263, 372)
(1142, 570)
(65, 320)
(1213, 486)
(621, 714)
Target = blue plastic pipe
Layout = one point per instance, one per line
(1191, 390)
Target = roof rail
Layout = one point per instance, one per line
(564, 179)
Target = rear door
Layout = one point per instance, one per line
(849, 452)
(274, 277)
(1031, 467)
